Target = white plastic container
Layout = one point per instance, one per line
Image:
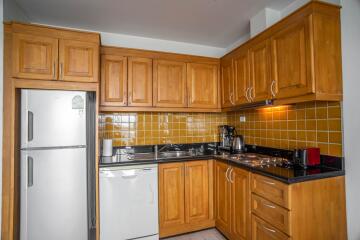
(107, 148)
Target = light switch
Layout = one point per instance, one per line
(242, 119)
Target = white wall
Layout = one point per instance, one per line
(263, 20)
(128, 41)
(12, 11)
(350, 20)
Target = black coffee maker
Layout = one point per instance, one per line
(226, 135)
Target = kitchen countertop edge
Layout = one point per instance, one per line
(335, 173)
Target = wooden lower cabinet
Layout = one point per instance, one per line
(261, 230)
(299, 211)
(232, 201)
(252, 206)
(222, 198)
(185, 197)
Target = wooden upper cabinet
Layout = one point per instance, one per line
(140, 82)
(291, 61)
(202, 81)
(113, 80)
(240, 204)
(227, 83)
(259, 57)
(35, 57)
(222, 198)
(171, 195)
(169, 87)
(79, 61)
(196, 191)
(241, 77)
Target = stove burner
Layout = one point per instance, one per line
(258, 160)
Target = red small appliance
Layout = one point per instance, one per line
(307, 157)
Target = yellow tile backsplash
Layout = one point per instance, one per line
(159, 128)
(313, 124)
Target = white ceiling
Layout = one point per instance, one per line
(217, 23)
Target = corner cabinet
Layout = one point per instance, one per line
(185, 197)
(54, 54)
(259, 57)
(232, 201)
(296, 60)
(203, 85)
(227, 83)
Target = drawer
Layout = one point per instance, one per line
(270, 189)
(272, 213)
(261, 230)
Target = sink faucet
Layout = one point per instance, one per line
(157, 150)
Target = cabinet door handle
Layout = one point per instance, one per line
(267, 182)
(273, 94)
(269, 206)
(269, 229)
(230, 175)
(247, 94)
(125, 98)
(130, 97)
(54, 70)
(61, 71)
(252, 93)
(231, 98)
(226, 174)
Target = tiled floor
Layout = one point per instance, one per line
(210, 234)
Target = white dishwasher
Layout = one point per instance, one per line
(129, 203)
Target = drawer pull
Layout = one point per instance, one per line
(268, 205)
(267, 182)
(269, 229)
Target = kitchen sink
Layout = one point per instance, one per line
(172, 154)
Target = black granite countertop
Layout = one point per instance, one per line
(286, 174)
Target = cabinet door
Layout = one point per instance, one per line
(260, 70)
(241, 77)
(140, 82)
(79, 61)
(202, 81)
(291, 70)
(240, 204)
(196, 191)
(169, 86)
(35, 57)
(222, 198)
(227, 83)
(261, 230)
(171, 195)
(113, 80)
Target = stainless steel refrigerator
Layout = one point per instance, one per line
(57, 198)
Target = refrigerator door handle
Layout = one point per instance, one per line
(30, 161)
(30, 126)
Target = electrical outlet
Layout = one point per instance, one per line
(242, 119)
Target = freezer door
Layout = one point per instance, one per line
(53, 197)
(52, 118)
(129, 203)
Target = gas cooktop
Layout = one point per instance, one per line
(257, 160)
